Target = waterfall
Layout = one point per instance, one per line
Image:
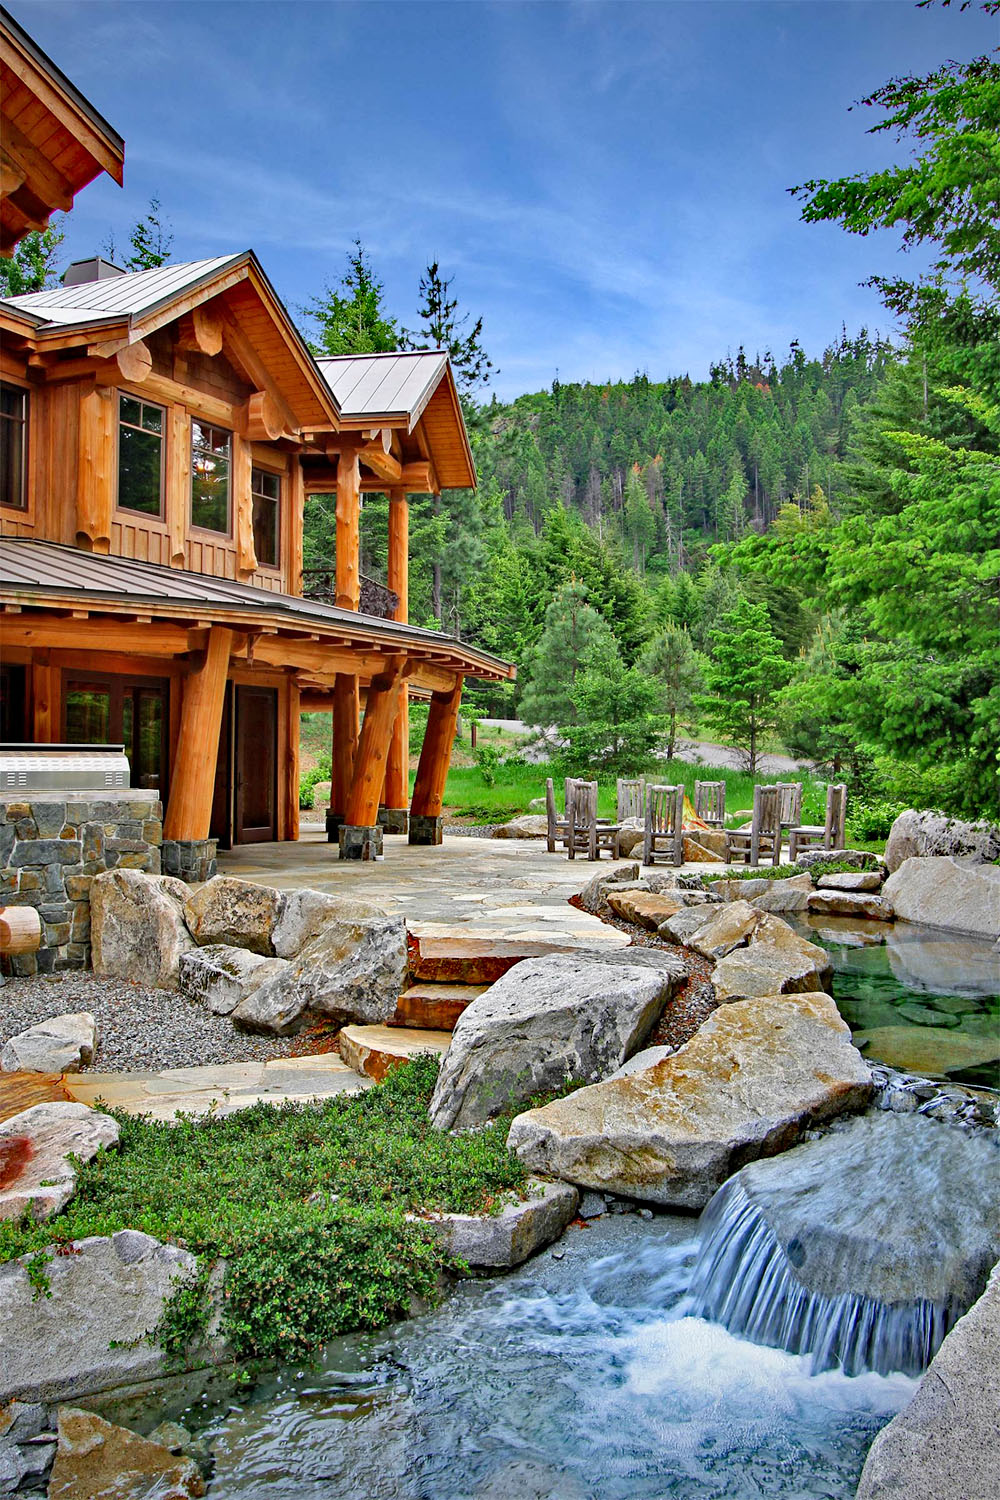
(745, 1280)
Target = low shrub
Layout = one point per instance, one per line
(322, 771)
(872, 819)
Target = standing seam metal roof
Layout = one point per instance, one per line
(121, 296)
(397, 384)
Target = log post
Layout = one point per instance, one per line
(44, 700)
(346, 712)
(246, 556)
(348, 583)
(189, 809)
(360, 837)
(95, 468)
(292, 762)
(394, 817)
(432, 772)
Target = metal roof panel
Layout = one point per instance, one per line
(118, 296)
(381, 385)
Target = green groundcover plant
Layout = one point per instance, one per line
(307, 1206)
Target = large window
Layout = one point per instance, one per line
(140, 456)
(265, 489)
(210, 468)
(13, 446)
(102, 709)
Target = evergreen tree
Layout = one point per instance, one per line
(151, 238)
(443, 328)
(614, 727)
(744, 677)
(32, 267)
(570, 627)
(677, 670)
(351, 318)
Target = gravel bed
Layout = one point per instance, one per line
(140, 1030)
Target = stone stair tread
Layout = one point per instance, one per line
(434, 1007)
(373, 1050)
(456, 958)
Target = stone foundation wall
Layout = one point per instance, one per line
(52, 844)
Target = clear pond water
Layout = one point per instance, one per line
(577, 1378)
(921, 1000)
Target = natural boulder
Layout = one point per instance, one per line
(776, 961)
(943, 1445)
(63, 1044)
(497, 1241)
(928, 833)
(352, 970)
(546, 1022)
(785, 895)
(305, 913)
(725, 929)
(855, 859)
(680, 928)
(234, 912)
(528, 826)
(219, 977)
(959, 895)
(137, 927)
(631, 836)
(593, 897)
(645, 908)
(696, 850)
(752, 1078)
(91, 1331)
(711, 840)
(97, 1461)
(863, 905)
(36, 1147)
(852, 880)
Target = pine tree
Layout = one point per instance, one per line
(744, 676)
(351, 318)
(151, 239)
(614, 728)
(677, 670)
(570, 627)
(443, 328)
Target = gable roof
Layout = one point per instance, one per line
(134, 294)
(387, 387)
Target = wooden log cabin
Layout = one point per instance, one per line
(162, 430)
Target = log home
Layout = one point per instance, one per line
(162, 430)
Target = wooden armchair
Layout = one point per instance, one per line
(631, 798)
(586, 830)
(664, 839)
(831, 835)
(791, 803)
(558, 827)
(764, 834)
(710, 802)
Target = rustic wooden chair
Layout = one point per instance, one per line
(831, 834)
(710, 802)
(558, 828)
(664, 825)
(764, 834)
(631, 798)
(586, 830)
(791, 803)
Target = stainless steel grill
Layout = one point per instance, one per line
(63, 768)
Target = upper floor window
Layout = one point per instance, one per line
(140, 456)
(265, 489)
(210, 470)
(13, 446)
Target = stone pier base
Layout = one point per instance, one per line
(190, 860)
(394, 819)
(360, 843)
(424, 830)
(334, 823)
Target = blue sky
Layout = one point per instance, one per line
(606, 182)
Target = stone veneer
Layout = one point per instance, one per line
(52, 844)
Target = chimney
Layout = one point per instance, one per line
(94, 269)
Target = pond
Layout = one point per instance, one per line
(915, 998)
(576, 1378)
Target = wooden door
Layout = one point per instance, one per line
(221, 827)
(256, 761)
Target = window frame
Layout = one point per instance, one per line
(152, 517)
(193, 525)
(22, 506)
(255, 469)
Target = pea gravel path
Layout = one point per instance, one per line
(140, 1029)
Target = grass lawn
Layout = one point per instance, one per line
(307, 1204)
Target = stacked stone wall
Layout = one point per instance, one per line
(52, 844)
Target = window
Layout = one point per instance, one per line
(13, 446)
(110, 709)
(265, 491)
(140, 456)
(210, 465)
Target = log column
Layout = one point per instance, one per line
(432, 772)
(348, 581)
(394, 817)
(361, 837)
(187, 849)
(346, 713)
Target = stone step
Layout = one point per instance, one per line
(373, 1050)
(435, 1007)
(477, 960)
(20, 1091)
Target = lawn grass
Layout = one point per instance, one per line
(307, 1205)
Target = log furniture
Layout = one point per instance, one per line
(631, 799)
(586, 830)
(791, 802)
(710, 802)
(764, 834)
(664, 832)
(828, 836)
(558, 827)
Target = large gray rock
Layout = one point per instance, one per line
(958, 895)
(137, 927)
(856, 859)
(90, 1332)
(219, 977)
(527, 826)
(594, 894)
(865, 906)
(682, 927)
(758, 971)
(785, 895)
(497, 1241)
(352, 970)
(753, 1077)
(725, 928)
(929, 833)
(38, 1148)
(235, 912)
(547, 1021)
(852, 880)
(62, 1044)
(306, 912)
(95, 1460)
(945, 1445)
